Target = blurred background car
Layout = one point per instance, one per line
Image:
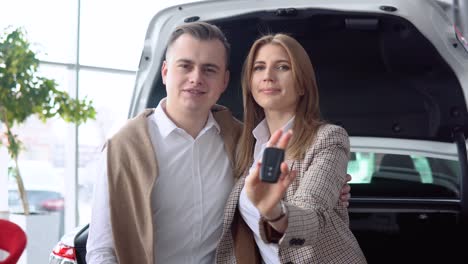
(44, 189)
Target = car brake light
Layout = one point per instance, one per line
(65, 251)
(53, 205)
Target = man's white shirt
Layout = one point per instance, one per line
(188, 199)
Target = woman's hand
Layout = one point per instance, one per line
(266, 196)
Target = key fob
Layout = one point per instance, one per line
(271, 162)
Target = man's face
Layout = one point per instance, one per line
(195, 75)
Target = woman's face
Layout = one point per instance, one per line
(272, 84)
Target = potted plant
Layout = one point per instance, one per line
(24, 93)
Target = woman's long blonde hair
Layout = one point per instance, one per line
(307, 116)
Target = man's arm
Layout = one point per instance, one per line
(100, 244)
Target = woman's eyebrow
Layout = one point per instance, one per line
(282, 61)
(277, 61)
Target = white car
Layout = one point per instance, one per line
(394, 74)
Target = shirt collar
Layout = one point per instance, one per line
(261, 131)
(262, 134)
(167, 126)
(211, 123)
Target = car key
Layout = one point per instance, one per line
(271, 162)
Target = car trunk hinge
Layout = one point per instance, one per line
(459, 138)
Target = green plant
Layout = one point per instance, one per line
(23, 93)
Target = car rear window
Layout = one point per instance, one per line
(403, 176)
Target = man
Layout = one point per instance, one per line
(168, 172)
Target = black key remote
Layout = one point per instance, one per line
(271, 162)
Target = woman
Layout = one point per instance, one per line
(299, 219)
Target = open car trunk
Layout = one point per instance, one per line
(377, 74)
(378, 77)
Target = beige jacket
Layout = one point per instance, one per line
(318, 224)
(132, 171)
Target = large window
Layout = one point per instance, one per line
(111, 92)
(51, 24)
(92, 49)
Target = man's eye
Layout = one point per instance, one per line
(184, 66)
(210, 70)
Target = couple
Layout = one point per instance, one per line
(165, 194)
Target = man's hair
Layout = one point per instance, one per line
(200, 31)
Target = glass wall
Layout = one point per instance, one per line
(51, 28)
(92, 50)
